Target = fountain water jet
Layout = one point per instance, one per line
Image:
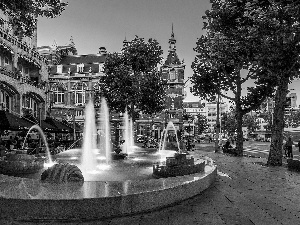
(105, 129)
(39, 129)
(170, 126)
(127, 134)
(125, 146)
(88, 158)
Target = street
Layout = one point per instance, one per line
(251, 148)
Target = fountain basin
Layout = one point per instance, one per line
(24, 199)
(21, 164)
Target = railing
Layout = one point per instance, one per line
(13, 40)
(16, 75)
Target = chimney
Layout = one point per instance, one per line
(102, 51)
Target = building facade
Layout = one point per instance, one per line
(173, 72)
(23, 73)
(73, 80)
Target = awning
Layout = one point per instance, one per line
(9, 121)
(48, 127)
(78, 128)
(60, 126)
(45, 126)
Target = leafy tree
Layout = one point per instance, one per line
(276, 26)
(267, 116)
(23, 13)
(201, 123)
(132, 81)
(292, 119)
(250, 122)
(223, 53)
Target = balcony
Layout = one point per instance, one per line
(15, 79)
(32, 55)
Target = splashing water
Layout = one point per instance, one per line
(163, 140)
(39, 129)
(105, 130)
(88, 158)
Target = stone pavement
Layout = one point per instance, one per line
(245, 192)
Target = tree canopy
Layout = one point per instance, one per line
(226, 59)
(260, 38)
(201, 123)
(23, 13)
(132, 81)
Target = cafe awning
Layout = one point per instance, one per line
(60, 126)
(9, 121)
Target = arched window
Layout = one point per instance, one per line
(58, 93)
(79, 90)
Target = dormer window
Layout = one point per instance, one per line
(80, 68)
(101, 68)
(59, 68)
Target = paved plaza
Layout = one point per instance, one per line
(245, 192)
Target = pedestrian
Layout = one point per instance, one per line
(289, 146)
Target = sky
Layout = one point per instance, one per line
(97, 23)
(106, 23)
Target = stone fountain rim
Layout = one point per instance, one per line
(80, 209)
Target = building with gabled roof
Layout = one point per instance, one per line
(73, 79)
(173, 71)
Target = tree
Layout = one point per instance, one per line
(276, 26)
(292, 119)
(250, 122)
(23, 13)
(132, 81)
(224, 54)
(201, 123)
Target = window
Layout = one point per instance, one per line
(79, 113)
(59, 96)
(80, 68)
(6, 61)
(101, 67)
(79, 93)
(58, 93)
(59, 68)
(172, 75)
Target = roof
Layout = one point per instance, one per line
(172, 58)
(93, 68)
(85, 59)
(10, 121)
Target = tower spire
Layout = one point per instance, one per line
(172, 41)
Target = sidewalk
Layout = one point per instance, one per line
(244, 193)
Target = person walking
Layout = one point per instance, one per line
(289, 146)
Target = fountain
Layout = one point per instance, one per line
(111, 188)
(165, 133)
(128, 145)
(39, 129)
(89, 148)
(176, 163)
(105, 128)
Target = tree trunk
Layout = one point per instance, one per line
(239, 117)
(275, 154)
(239, 131)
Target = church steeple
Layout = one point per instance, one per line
(172, 41)
(125, 42)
